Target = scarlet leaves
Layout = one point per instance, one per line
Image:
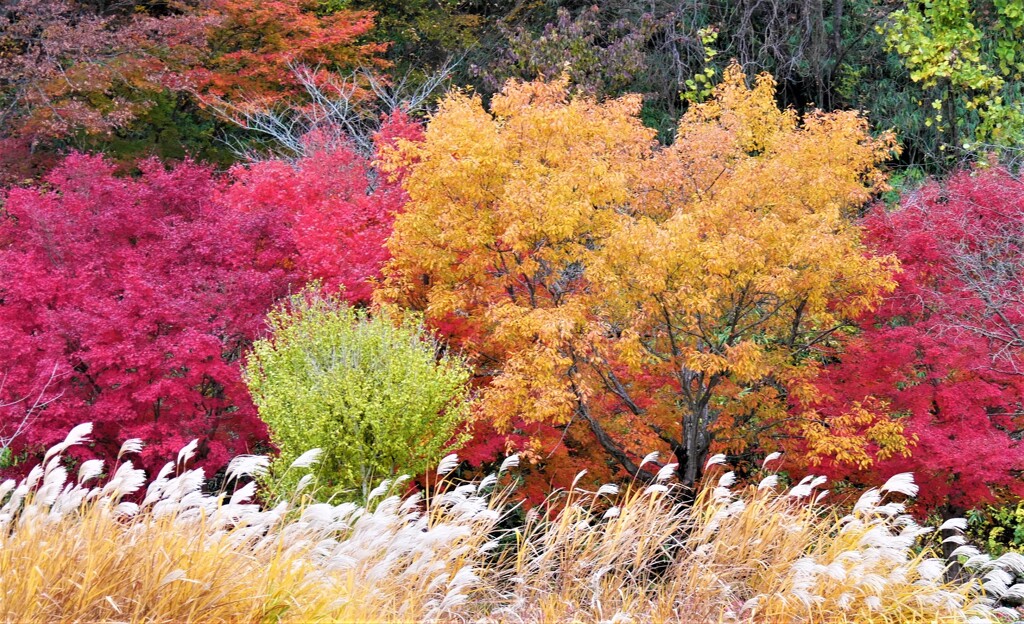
(143, 293)
(339, 209)
(944, 351)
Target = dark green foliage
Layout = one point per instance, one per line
(172, 128)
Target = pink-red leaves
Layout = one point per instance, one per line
(942, 349)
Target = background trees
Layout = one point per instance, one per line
(138, 80)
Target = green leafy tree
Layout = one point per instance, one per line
(374, 393)
(968, 56)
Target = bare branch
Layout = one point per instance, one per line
(15, 425)
(337, 114)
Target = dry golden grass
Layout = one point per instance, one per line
(74, 553)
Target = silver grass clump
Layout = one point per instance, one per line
(394, 540)
(601, 545)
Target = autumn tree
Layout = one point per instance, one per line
(944, 350)
(968, 57)
(337, 206)
(654, 295)
(129, 301)
(142, 294)
(72, 71)
(255, 43)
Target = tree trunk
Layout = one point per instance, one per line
(819, 47)
(696, 441)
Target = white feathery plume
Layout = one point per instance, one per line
(303, 483)
(579, 475)
(33, 477)
(902, 483)
(608, 488)
(714, 460)
(89, 470)
(448, 464)
(666, 472)
(650, 457)
(996, 582)
(167, 469)
(954, 524)
(512, 461)
(131, 445)
(307, 459)
(384, 486)
(77, 435)
(247, 466)
(770, 458)
(187, 452)
(126, 480)
(6, 487)
(126, 510)
(727, 480)
(931, 569)
(613, 512)
(1015, 593)
(967, 550)
(170, 577)
(768, 482)
(867, 501)
(1014, 562)
(801, 490)
(487, 481)
(243, 494)
(977, 560)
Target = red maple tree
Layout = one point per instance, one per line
(128, 302)
(339, 208)
(944, 351)
(141, 294)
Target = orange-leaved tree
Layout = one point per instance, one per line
(649, 295)
(256, 46)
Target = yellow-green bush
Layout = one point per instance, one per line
(374, 393)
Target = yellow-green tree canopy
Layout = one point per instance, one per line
(372, 393)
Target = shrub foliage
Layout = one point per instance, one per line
(373, 393)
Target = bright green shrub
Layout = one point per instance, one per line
(374, 393)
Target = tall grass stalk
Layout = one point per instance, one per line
(72, 551)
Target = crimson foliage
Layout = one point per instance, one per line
(339, 208)
(944, 351)
(142, 293)
(128, 302)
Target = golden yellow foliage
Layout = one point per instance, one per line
(683, 290)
